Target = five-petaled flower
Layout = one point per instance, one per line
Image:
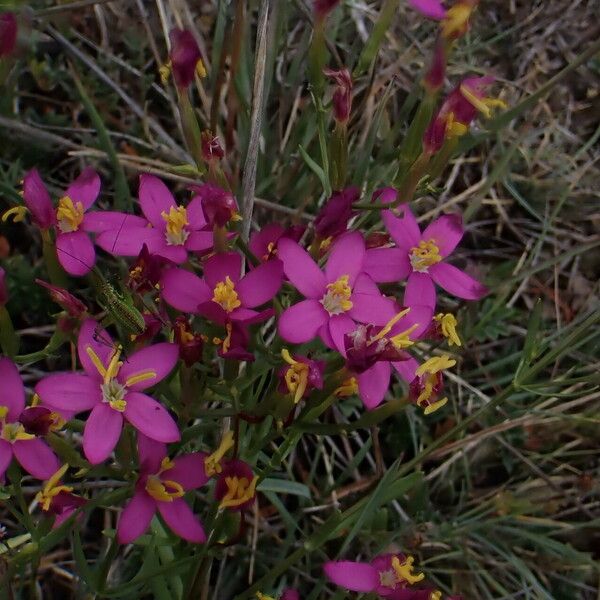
(161, 486)
(300, 375)
(236, 485)
(111, 388)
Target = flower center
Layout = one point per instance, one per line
(448, 323)
(337, 298)
(12, 432)
(239, 491)
(296, 376)
(177, 222)
(69, 215)
(483, 104)
(388, 578)
(423, 256)
(404, 571)
(113, 393)
(226, 296)
(212, 463)
(163, 490)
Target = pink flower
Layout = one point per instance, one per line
(455, 20)
(300, 376)
(234, 344)
(218, 205)
(31, 452)
(185, 57)
(161, 486)
(388, 575)
(111, 389)
(432, 9)
(263, 243)
(190, 343)
(40, 420)
(3, 289)
(223, 296)
(333, 218)
(342, 96)
(236, 485)
(421, 258)
(8, 33)
(335, 297)
(146, 271)
(168, 230)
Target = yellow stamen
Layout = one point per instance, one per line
(165, 465)
(35, 400)
(389, 325)
(114, 364)
(456, 20)
(15, 432)
(163, 491)
(139, 377)
(119, 405)
(212, 463)
(52, 489)
(423, 256)
(226, 296)
(325, 244)
(239, 491)
(165, 72)
(96, 361)
(402, 340)
(177, 221)
(349, 387)
(337, 298)
(482, 104)
(404, 570)
(430, 408)
(57, 422)
(435, 364)
(235, 216)
(69, 215)
(296, 376)
(16, 212)
(436, 595)
(454, 128)
(3, 412)
(200, 69)
(448, 325)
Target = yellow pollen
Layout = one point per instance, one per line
(57, 422)
(69, 215)
(177, 221)
(136, 272)
(187, 337)
(212, 463)
(139, 377)
(448, 325)
(271, 251)
(118, 404)
(52, 489)
(404, 570)
(436, 595)
(296, 376)
(165, 464)
(456, 20)
(435, 364)
(165, 72)
(226, 296)
(96, 361)
(402, 340)
(325, 244)
(337, 298)
(16, 212)
(239, 491)
(430, 408)
(3, 412)
(349, 387)
(483, 105)
(235, 216)
(454, 128)
(114, 365)
(200, 69)
(163, 491)
(423, 256)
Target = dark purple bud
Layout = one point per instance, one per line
(434, 79)
(39, 420)
(146, 271)
(8, 33)
(323, 7)
(185, 57)
(333, 218)
(236, 485)
(342, 96)
(190, 343)
(219, 205)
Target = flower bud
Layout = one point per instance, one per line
(39, 420)
(211, 147)
(185, 58)
(333, 218)
(434, 78)
(146, 271)
(342, 96)
(219, 206)
(74, 307)
(323, 7)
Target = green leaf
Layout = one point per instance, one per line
(283, 486)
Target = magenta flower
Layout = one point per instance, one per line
(31, 452)
(421, 258)
(263, 243)
(57, 499)
(146, 271)
(168, 230)
(432, 9)
(111, 389)
(161, 485)
(236, 485)
(189, 342)
(219, 206)
(8, 33)
(40, 420)
(300, 376)
(3, 289)
(335, 298)
(234, 344)
(388, 575)
(223, 296)
(185, 57)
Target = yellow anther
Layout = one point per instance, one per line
(296, 376)
(165, 73)
(96, 361)
(139, 377)
(57, 422)
(271, 250)
(402, 340)
(35, 400)
(212, 463)
(404, 570)
(69, 215)
(200, 69)
(423, 256)
(349, 387)
(337, 298)
(325, 244)
(239, 491)
(456, 20)
(264, 596)
(235, 216)
(119, 404)
(3, 412)
(163, 491)
(436, 595)
(448, 325)
(430, 408)
(454, 128)
(114, 364)
(52, 489)
(389, 325)
(16, 212)
(165, 465)
(177, 221)
(483, 105)
(226, 296)
(435, 364)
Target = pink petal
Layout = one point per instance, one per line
(176, 254)
(200, 241)
(92, 334)
(12, 392)
(37, 199)
(325, 335)
(368, 305)
(420, 290)
(260, 240)
(339, 326)
(75, 253)
(406, 369)
(385, 195)
(150, 454)
(387, 265)
(195, 214)
(457, 282)
(135, 518)
(355, 576)
(73, 392)
(346, 257)
(151, 418)
(432, 9)
(184, 290)
(301, 269)
(105, 220)
(129, 240)
(155, 198)
(6, 455)
(189, 471)
(405, 229)
(220, 266)
(300, 322)
(85, 188)
(446, 232)
(182, 521)
(160, 358)
(261, 284)
(248, 316)
(374, 383)
(213, 312)
(101, 433)
(36, 458)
